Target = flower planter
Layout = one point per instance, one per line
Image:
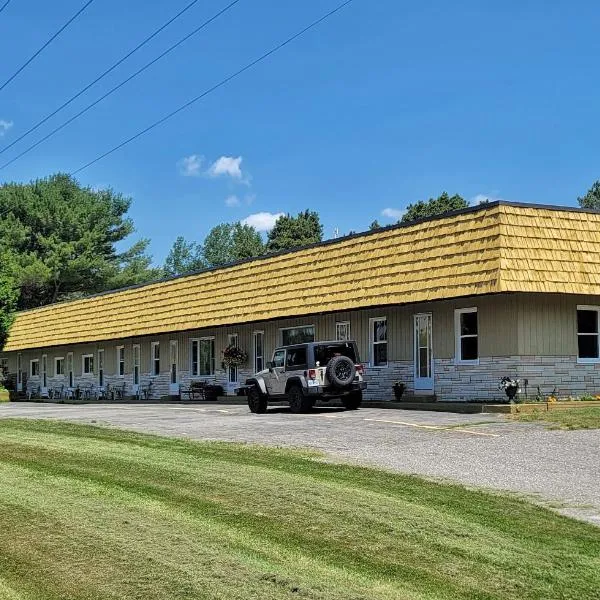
(399, 389)
(4, 396)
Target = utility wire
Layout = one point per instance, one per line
(102, 76)
(118, 86)
(4, 5)
(217, 86)
(46, 44)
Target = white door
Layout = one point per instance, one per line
(101, 368)
(423, 354)
(173, 362)
(232, 372)
(136, 369)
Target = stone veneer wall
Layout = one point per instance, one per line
(480, 382)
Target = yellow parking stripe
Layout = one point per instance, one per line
(438, 427)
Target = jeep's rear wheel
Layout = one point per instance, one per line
(257, 403)
(299, 403)
(352, 401)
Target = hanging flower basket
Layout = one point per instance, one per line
(234, 356)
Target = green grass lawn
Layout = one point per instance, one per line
(89, 513)
(568, 418)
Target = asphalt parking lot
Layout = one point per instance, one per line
(558, 468)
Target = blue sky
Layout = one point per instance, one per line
(386, 103)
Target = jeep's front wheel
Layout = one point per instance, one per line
(299, 403)
(257, 403)
(352, 401)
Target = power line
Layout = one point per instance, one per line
(217, 86)
(118, 86)
(46, 44)
(4, 5)
(109, 70)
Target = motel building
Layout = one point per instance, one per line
(447, 305)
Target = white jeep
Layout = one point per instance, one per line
(305, 373)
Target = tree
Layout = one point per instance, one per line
(8, 302)
(292, 232)
(59, 240)
(592, 198)
(229, 242)
(374, 225)
(184, 257)
(434, 206)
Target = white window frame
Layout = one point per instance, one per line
(136, 363)
(19, 371)
(339, 325)
(119, 361)
(83, 357)
(588, 361)
(101, 374)
(213, 361)
(372, 343)
(64, 366)
(254, 354)
(31, 362)
(458, 337)
(282, 329)
(44, 371)
(70, 369)
(154, 372)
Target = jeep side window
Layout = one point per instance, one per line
(278, 358)
(296, 358)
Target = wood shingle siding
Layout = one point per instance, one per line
(499, 247)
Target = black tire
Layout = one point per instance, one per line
(341, 371)
(299, 403)
(257, 402)
(352, 401)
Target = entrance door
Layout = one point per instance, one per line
(423, 354)
(174, 361)
(101, 368)
(136, 368)
(232, 372)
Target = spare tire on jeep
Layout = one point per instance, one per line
(341, 371)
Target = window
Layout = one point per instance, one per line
(587, 334)
(136, 364)
(155, 357)
(70, 369)
(87, 364)
(279, 358)
(121, 361)
(342, 331)
(59, 366)
(207, 356)
(296, 358)
(101, 368)
(203, 357)
(174, 361)
(44, 371)
(259, 351)
(324, 353)
(297, 335)
(379, 340)
(34, 368)
(466, 329)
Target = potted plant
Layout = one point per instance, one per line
(234, 356)
(399, 388)
(510, 387)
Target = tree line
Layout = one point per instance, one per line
(60, 241)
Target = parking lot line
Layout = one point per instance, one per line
(437, 427)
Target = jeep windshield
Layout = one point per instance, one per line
(325, 352)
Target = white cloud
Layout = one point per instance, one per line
(491, 197)
(232, 201)
(226, 165)
(262, 221)
(250, 198)
(392, 213)
(5, 126)
(190, 166)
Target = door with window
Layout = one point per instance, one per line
(136, 368)
(423, 354)
(276, 381)
(174, 370)
(259, 344)
(101, 368)
(232, 372)
(70, 370)
(44, 390)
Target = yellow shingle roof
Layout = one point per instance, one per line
(494, 248)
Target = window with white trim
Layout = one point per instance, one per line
(342, 331)
(34, 368)
(203, 357)
(155, 356)
(466, 331)
(136, 364)
(87, 364)
(121, 361)
(259, 351)
(297, 335)
(59, 366)
(70, 369)
(588, 349)
(379, 340)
